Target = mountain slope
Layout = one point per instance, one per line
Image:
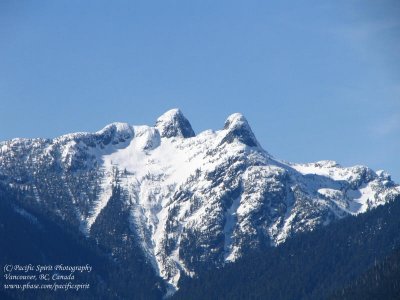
(33, 237)
(332, 262)
(188, 201)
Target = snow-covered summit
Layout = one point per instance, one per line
(190, 200)
(174, 124)
(117, 128)
(238, 128)
(236, 120)
(115, 133)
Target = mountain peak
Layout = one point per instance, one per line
(238, 128)
(234, 120)
(174, 124)
(116, 127)
(115, 133)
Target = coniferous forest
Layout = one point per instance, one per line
(354, 258)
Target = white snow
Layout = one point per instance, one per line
(360, 198)
(231, 221)
(168, 116)
(235, 120)
(119, 126)
(283, 234)
(331, 193)
(323, 168)
(153, 170)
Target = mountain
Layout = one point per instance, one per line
(28, 239)
(352, 258)
(183, 202)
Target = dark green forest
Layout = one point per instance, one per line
(381, 282)
(335, 262)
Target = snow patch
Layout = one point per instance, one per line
(230, 223)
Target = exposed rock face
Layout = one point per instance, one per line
(174, 124)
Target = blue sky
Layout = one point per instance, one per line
(315, 79)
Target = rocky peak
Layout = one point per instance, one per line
(174, 124)
(238, 128)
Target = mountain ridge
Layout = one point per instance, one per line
(191, 199)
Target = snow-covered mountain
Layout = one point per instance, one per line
(192, 200)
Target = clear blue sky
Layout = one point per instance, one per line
(316, 79)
